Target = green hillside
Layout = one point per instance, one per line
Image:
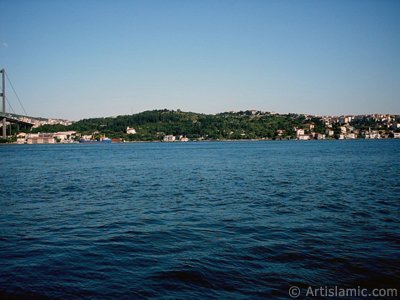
(153, 125)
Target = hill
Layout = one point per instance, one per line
(153, 125)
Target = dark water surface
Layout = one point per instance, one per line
(242, 220)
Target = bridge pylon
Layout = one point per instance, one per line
(3, 96)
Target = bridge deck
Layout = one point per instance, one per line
(14, 120)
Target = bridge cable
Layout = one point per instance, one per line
(19, 100)
(9, 104)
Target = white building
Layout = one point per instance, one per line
(32, 135)
(396, 135)
(329, 132)
(311, 126)
(345, 119)
(169, 138)
(299, 132)
(351, 136)
(130, 130)
(183, 138)
(373, 135)
(303, 137)
(64, 136)
(86, 137)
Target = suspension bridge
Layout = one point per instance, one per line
(9, 118)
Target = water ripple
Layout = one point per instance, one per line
(197, 220)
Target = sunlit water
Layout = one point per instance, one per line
(198, 220)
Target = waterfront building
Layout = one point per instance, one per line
(87, 137)
(183, 138)
(169, 138)
(351, 136)
(303, 137)
(373, 135)
(40, 138)
(64, 136)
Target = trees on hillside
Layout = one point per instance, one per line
(153, 125)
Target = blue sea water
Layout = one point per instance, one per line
(209, 220)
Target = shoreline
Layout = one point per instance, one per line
(205, 141)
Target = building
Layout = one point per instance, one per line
(351, 136)
(345, 119)
(21, 138)
(130, 130)
(64, 136)
(32, 135)
(169, 138)
(280, 132)
(310, 126)
(299, 132)
(86, 137)
(396, 135)
(40, 138)
(303, 137)
(374, 134)
(329, 132)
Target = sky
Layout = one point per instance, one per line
(77, 59)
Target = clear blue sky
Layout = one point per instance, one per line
(76, 59)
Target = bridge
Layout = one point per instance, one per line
(8, 117)
(11, 118)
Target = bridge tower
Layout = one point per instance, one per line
(3, 96)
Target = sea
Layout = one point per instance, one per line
(198, 220)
